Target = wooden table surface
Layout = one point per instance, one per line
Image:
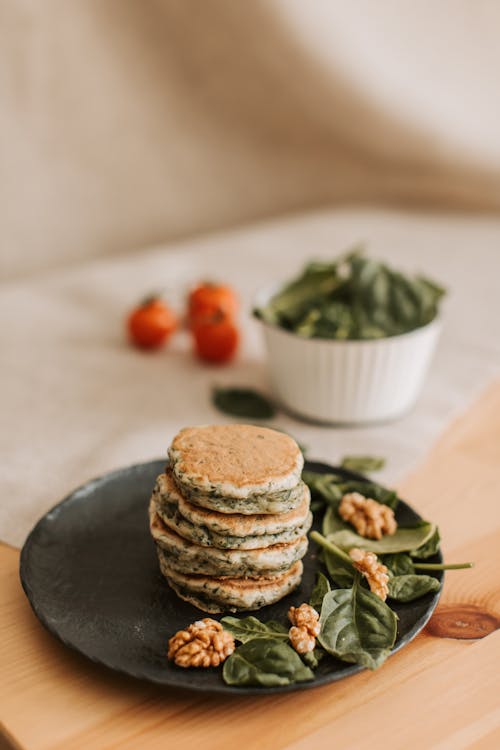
(442, 691)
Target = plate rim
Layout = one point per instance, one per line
(318, 681)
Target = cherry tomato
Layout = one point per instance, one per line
(216, 340)
(207, 300)
(151, 324)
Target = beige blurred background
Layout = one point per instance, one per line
(130, 122)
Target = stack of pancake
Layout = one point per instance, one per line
(230, 516)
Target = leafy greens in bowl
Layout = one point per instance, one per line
(352, 298)
(350, 341)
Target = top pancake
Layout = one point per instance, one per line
(234, 461)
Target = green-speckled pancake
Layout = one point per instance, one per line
(232, 524)
(187, 557)
(217, 465)
(166, 504)
(239, 524)
(212, 594)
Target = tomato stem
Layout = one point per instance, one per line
(151, 297)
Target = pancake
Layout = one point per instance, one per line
(216, 465)
(272, 504)
(234, 524)
(221, 594)
(186, 557)
(238, 524)
(169, 513)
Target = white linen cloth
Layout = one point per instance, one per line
(77, 400)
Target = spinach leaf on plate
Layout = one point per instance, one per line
(312, 658)
(338, 564)
(322, 587)
(403, 540)
(265, 661)
(332, 487)
(332, 523)
(429, 548)
(363, 464)
(398, 564)
(325, 486)
(407, 588)
(247, 628)
(357, 626)
(341, 574)
(324, 489)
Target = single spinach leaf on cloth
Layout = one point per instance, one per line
(363, 463)
(357, 626)
(399, 564)
(265, 661)
(321, 588)
(407, 588)
(247, 628)
(403, 540)
(430, 547)
(243, 402)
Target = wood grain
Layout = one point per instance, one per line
(440, 692)
(465, 621)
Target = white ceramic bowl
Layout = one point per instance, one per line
(348, 381)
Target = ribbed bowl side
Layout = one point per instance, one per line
(349, 381)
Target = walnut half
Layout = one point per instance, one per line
(203, 644)
(370, 518)
(305, 622)
(375, 573)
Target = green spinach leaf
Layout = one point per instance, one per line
(321, 588)
(373, 490)
(247, 628)
(332, 487)
(407, 588)
(338, 564)
(313, 658)
(353, 297)
(340, 571)
(332, 523)
(316, 506)
(341, 574)
(243, 402)
(399, 564)
(429, 548)
(265, 661)
(404, 540)
(357, 626)
(363, 463)
(324, 486)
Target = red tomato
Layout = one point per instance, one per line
(216, 340)
(207, 300)
(151, 324)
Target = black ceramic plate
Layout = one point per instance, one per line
(90, 572)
